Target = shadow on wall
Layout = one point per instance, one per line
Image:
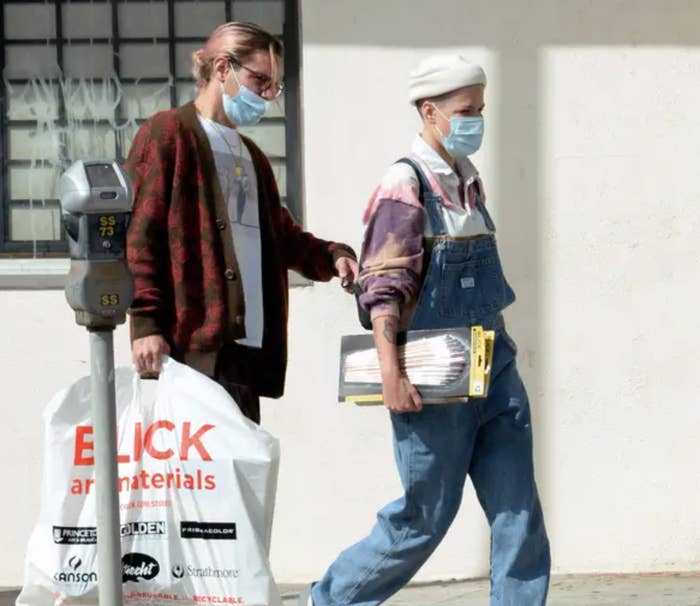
(515, 32)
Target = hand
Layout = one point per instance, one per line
(147, 353)
(400, 395)
(347, 270)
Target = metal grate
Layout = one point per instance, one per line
(80, 76)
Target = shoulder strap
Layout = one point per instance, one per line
(423, 183)
(426, 194)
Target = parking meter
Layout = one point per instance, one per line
(96, 200)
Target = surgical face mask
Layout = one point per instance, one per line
(246, 108)
(465, 135)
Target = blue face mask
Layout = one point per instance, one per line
(246, 108)
(465, 135)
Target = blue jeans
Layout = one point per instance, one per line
(491, 440)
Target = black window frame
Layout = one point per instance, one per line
(291, 35)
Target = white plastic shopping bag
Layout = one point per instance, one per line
(197, 484)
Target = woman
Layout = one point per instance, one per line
(209, 242)
(430, 261)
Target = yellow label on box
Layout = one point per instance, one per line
(489, 340)
(373, 398)
(477, 366)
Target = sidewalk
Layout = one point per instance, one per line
(570, 590)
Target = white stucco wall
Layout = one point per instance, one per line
(590, 165)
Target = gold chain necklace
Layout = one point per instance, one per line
(238, 169)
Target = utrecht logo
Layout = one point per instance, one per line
(139, 567)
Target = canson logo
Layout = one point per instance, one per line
(74, 574)
(139, 567)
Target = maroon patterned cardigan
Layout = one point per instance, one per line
(180, 251)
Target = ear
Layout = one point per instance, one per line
(427, 111)
(220, 68)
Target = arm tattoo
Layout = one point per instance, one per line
(390, 327)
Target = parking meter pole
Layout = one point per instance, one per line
(104, 418)
(96, 203)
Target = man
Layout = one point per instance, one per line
(209, 243)
(430, 261)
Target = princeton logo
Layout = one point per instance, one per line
(75, 535)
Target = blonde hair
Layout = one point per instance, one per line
(237, 41)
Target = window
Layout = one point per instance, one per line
(80, 76)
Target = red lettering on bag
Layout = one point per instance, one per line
(138, 442)
(195, 440)
(82, 444)
(143, 442)
(125, 458)
(148, 441)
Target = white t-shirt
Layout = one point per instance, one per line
(241, 195)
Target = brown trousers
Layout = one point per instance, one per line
(247, 400)
(233, 378)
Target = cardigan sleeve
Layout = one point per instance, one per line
(312, 257)
(150, 167)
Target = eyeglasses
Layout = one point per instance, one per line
(263, 81)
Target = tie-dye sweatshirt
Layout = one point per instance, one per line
(396, 226)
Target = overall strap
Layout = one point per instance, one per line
(423, 183)
(428, 198)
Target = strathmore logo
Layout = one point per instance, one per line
(139, 567)
(178, 571)
(75, 535)
(208, 572)
(73, 574)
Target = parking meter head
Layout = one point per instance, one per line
(96, 202)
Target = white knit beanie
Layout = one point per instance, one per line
(442, 74)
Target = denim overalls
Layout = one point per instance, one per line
(488, 438)
(464, 282)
